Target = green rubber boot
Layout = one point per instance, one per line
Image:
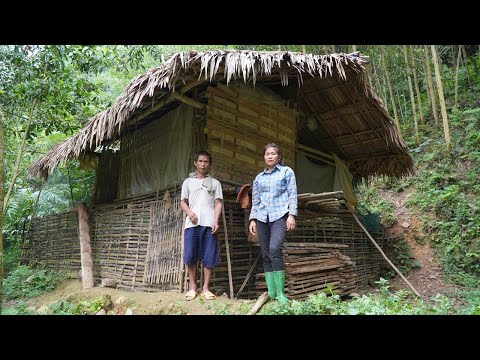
(279, 277)
(272, 291)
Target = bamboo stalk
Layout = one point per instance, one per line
(228, 253)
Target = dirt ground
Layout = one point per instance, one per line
(427, 279)
(142, 303)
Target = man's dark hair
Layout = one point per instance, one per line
(204, 153)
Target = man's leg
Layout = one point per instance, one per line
(210, 255)
(207, 274)
(192, 275)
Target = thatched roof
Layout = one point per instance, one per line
(341, 114)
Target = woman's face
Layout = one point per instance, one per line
(272, 157)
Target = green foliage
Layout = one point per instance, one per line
(370, 202)
(93, 306)
(20, 308)
(384, 302)
(402, 257)
(447, 193)
(24, 283)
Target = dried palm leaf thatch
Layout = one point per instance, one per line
(183, 71)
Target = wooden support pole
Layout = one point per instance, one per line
(187, 100)
(230, 280)
(248, 275)
(85, 248)
(383, 254)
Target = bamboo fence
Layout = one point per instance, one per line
(137, 241)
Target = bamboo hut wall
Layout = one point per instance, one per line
(125, 233)
(54, 242)
(239, 123)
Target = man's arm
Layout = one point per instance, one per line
(218, 211)
(191, 215)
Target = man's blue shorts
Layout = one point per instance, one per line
(201, 244)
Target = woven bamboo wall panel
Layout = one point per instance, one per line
(239, 123)
(54, 243)
(164, 249)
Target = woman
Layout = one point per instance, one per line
(274, 207)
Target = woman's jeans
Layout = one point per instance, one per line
(271, 236)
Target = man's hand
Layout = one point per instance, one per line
(193, 217)
(253, 227)
(290, 222)
(215, 227)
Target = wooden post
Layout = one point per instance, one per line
(227, 248)
(85, 248)
(260, 302)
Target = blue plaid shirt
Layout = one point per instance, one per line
(274, 194)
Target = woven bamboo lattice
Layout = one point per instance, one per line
(164, 249)
(53, 241)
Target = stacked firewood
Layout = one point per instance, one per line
(314, 267)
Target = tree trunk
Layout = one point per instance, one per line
(427, 88)
(431, 86)
(399, 100)
(412, 96)
(465, 63)
(456, 75)
(304, 49)
(16, 170)
(446, 128)
(390, 89)
(417, 88)
(354, 48)
(2, 190)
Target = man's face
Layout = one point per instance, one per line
(202, 164)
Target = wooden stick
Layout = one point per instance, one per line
(228, 253)
(260, 302)
(248, 275)
(383, 254)
(182, 266)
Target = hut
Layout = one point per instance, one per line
(318, 108)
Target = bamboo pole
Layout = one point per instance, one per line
(431, 86)
(383, 254)
(457, 68)
(390, 89)
(230, 281)
(248, 276)
(412, 96)
(417, 87)
(446, 128)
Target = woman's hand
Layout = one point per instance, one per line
(253, 227)
(290, 222)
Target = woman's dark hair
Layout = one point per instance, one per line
(281, 160)
(204, 153)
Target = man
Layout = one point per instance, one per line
(201, 200)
